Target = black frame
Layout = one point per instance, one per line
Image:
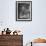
(20, 19)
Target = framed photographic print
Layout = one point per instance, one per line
(23, 10)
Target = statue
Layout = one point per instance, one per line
(8, 31)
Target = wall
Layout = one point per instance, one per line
(31, 30)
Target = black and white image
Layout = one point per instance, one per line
(24, 10)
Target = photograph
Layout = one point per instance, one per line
(23, 10)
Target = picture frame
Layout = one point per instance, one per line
(23, 10)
